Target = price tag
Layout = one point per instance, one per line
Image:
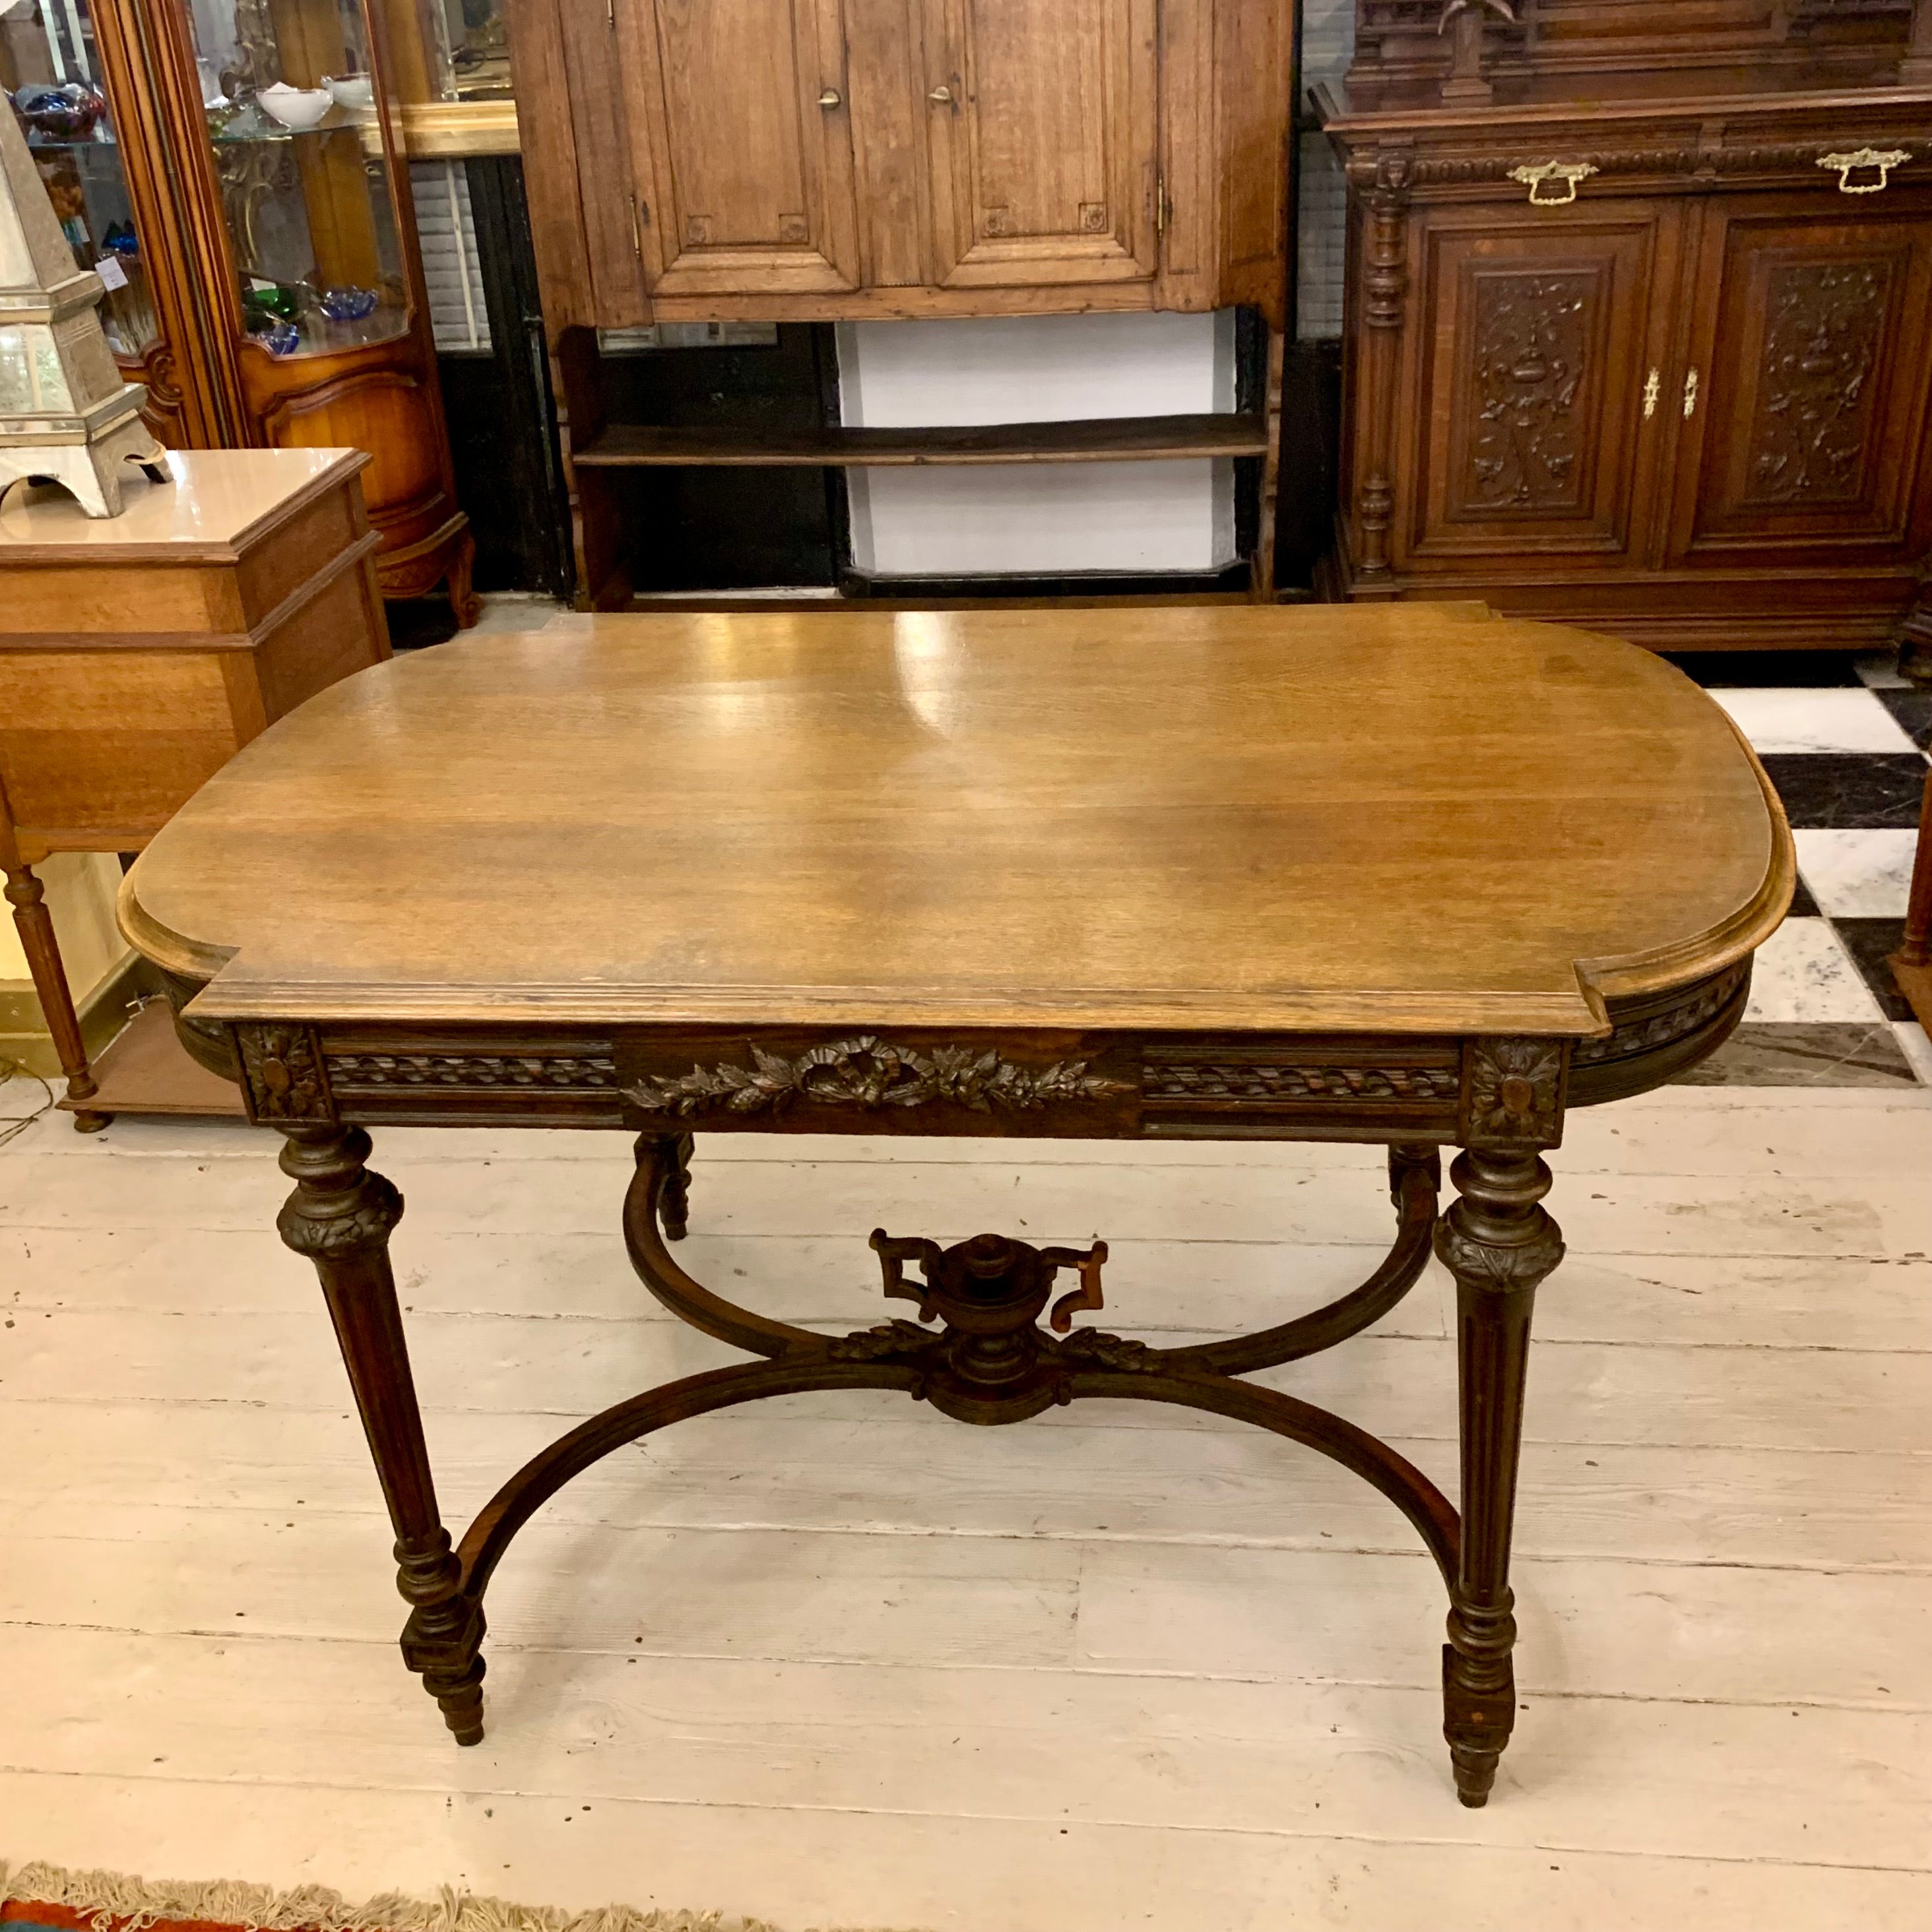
(112, 274)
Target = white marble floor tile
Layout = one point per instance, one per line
(1814, 720)
(1917, 1048)
(1858, 874)
(1803, 973)
(1879, 671)
(517, 611)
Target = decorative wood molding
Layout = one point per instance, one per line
(447, 130)
(1273, 1082)
(386, 1072)
(1655, 1031)
(867, 1071)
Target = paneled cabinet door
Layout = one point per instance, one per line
(1044, 122)
(1536, 334)
(743, 145)
(1802, 413)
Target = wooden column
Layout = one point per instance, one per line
(1385, 294)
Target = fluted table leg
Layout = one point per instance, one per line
(339, 1216)
(1499, 1244)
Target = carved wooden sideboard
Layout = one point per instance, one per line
(1651, 351)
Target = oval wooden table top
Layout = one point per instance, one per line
(1403, 817)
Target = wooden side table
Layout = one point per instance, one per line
(1410, 876)
(139, 653)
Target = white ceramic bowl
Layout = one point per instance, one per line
(296, 107)
(354, 91)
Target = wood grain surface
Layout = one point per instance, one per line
(1414, 819)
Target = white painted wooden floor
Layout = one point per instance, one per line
(840, 1661)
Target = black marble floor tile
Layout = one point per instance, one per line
(1803, 905)
(1754, 670)
(1871, 942)
(416, 622)
(1767, 1053)
(1913, 709)
(1850, 790)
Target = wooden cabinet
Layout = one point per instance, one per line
(1531, 341)
(1812, 355)
(1660, 364)
(1043, 139)
(821, 159)
(741, 148)
(814, 160)
(265, 286)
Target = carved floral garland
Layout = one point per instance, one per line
(868, 1072)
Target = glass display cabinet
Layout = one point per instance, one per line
(229, 168)
(452, 62)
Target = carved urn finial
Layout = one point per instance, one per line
(1467, 83)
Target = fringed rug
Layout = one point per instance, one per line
(47, 1898)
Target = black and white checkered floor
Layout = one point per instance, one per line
(1846, 742)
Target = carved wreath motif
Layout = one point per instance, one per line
(1516, 1091)
(868, 1072)
(1095, 1349)
(1253, 1082)
(284, 1072)
(881, 1344)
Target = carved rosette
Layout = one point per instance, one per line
(1512, 1093)
(283, 1074)
(868, 1073)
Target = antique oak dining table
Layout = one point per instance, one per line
(1411, 875)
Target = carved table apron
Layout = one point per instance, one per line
(989, 1336)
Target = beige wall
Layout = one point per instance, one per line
(81, 887)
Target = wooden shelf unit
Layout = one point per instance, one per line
(1120, 439)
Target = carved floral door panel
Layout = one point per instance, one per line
(743, 145)
(1803, 402)
(1536, 337)
(1043, 127)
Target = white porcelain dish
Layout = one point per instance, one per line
(296, 107)
(354, 91)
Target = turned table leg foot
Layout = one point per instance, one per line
(27, 897)
(339, 1216)
(674, 1197)
(1499, 1244)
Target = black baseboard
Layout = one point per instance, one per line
(860, 585)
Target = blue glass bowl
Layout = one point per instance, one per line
(348, 304)
(279, 338)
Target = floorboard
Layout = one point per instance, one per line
(836, 1661)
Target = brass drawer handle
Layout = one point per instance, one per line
(1653, 394)
(1861, 161)
(942, 96)
(1569, 173)
(1692, 382)
(831, 97)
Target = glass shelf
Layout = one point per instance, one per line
(50, 43)
(308, 209)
